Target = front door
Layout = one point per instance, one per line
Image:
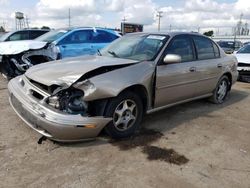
(176, 82)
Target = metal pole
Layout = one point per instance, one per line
(69, 19)
(159, 15)
(123, 28)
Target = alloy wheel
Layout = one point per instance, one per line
(125, 115)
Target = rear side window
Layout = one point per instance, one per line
(205, 48)
(35, 34)
(103, 37)
(182, 46)
(216, 51)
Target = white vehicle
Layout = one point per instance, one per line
(243, 56)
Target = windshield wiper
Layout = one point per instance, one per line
(99, 52)
(113, 53)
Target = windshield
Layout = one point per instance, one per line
(244, 50)
(226, 44)
(136, 47)
(52, 35)
(5, 36)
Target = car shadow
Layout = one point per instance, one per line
(192, 110)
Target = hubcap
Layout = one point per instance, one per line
(222, 91)
(125, 115)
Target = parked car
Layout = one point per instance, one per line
(76, 98)
(230, 46)
(246, 43)
(18, 56)
(243, 56)
(26, 34)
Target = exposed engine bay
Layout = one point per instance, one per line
(69, 101)
(14, 65)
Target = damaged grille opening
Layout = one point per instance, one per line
(38, 59)
(243, 65)
(48, 89)
(36, 94)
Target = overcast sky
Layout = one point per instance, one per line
(189, 15)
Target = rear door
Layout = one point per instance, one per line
(176, 82)
(76, 43)
(101, 39)
(208, 66)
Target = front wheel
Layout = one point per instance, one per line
(221, 91)
(126, 111)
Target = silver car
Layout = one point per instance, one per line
(75, 99)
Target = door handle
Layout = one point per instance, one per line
(192, 69)
(64, 46)
(219, 65)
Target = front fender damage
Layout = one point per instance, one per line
(72, 98)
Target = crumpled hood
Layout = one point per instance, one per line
(68, 71)
(243, 58)
(16, 47)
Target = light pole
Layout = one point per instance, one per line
(69, 18)
(159, 15)
(123, 22)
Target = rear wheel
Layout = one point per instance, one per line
(126, 111)
(221, 91)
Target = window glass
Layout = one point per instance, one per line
(139, 47)
(244, 50)
(103, 37)
(35, 34)
(182, 46)
(216, 51)
(78, 37)
(21, 35)
(204, 48)
(52, 35)
(226, 44)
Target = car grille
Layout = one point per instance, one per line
(243, 65)
(47, 89)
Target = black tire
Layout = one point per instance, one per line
(114, 106)
(220, 97)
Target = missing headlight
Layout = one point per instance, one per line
(69, 101)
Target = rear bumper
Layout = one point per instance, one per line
(47, 121)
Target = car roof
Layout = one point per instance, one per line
(82, 28)
(171, 34)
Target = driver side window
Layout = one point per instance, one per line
(78, 37)
(182, 46)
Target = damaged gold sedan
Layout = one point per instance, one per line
(77, 98)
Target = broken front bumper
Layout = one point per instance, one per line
(244, 74)
(47, 121)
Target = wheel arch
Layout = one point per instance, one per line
(229, 75)
(141, 91)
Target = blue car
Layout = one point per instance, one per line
(17, 56)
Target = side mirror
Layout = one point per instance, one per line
(172, 58)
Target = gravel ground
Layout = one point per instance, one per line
(197, 144)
